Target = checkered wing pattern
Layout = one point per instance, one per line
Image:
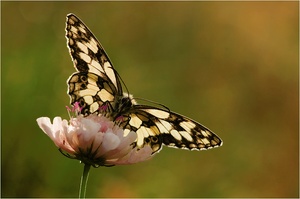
(97, 87)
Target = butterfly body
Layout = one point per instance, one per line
(97, 87)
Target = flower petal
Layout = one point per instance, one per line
(56, 131)
(45, 124)
(94, 139)
(110, 141)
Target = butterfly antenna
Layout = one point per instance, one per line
(137, 98)
(153, 102)
(122, 82)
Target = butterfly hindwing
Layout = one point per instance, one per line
(97, 88)
(156, 126)
(91, 91)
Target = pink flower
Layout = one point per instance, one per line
(94, 140)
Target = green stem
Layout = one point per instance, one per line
(83, 181)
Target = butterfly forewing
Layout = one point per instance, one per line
(97, 88)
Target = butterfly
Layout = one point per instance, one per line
(97, 87)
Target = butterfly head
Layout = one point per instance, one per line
(128, 97)
(125, 103)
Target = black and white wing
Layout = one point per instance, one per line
(97, 88)
(156, 126)
(96, 85)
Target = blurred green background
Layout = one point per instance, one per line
(232, 66)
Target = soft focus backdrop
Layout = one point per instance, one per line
(232, 66)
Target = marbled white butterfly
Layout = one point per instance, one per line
(97, 87)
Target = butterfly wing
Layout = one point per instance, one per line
(155, 126)
(96, 84)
